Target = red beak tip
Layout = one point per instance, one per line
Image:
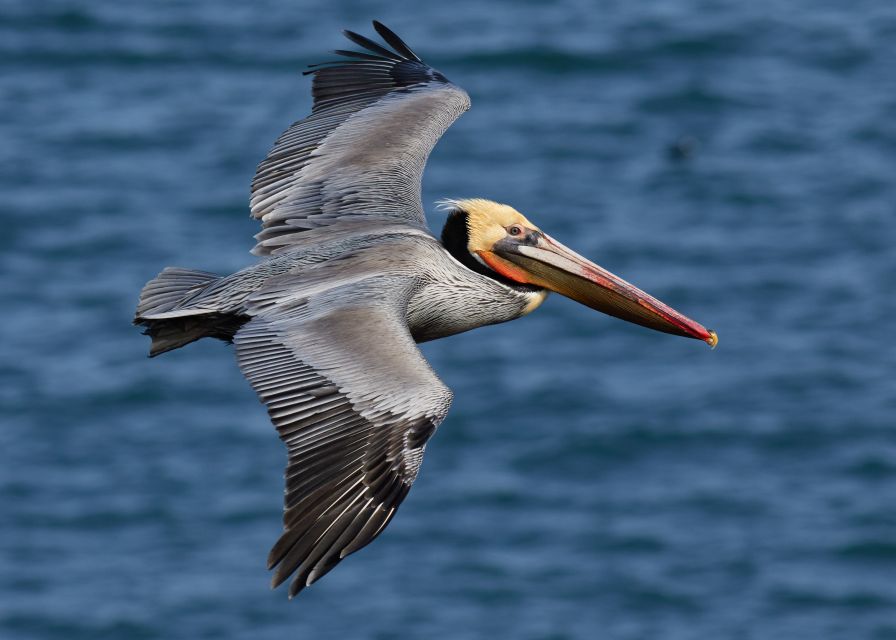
(712, 340)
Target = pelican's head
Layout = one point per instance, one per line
(498, 240)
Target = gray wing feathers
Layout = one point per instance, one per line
(355, 402)
(362, 151)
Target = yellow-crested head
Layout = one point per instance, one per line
(488, 222)
(498, 241)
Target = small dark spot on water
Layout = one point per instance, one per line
(684, 148)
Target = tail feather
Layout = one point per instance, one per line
(168, 335)
(170, 320)
(171, 288)
(172, 333)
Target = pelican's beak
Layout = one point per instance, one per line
(542, 261)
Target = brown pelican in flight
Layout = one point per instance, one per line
(326, 325)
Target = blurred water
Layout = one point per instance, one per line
(593, 479)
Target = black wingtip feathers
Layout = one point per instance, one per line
(376, 52)
(394, 41)
(370, 45)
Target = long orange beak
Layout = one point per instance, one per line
(542, 261)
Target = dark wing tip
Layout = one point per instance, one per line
(405, 66)
(394, 41)
(370, 45)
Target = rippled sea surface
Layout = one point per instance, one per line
(593, 479)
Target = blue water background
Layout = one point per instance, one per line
(593, 479)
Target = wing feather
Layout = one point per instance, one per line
(355, 403)
(394, 41)
(370, 45)
(375, 118)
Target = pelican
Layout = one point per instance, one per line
(326, 325)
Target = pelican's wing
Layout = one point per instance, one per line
(375, 118)
(354, 401)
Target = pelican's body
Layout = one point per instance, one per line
(325, 326)
(447, 298)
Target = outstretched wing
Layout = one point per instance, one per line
(375, 118)
(354, 401)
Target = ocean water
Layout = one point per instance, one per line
(593, 479)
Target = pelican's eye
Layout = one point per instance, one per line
(515, 230)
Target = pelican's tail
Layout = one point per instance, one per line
(171, 321)
(171, 289)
